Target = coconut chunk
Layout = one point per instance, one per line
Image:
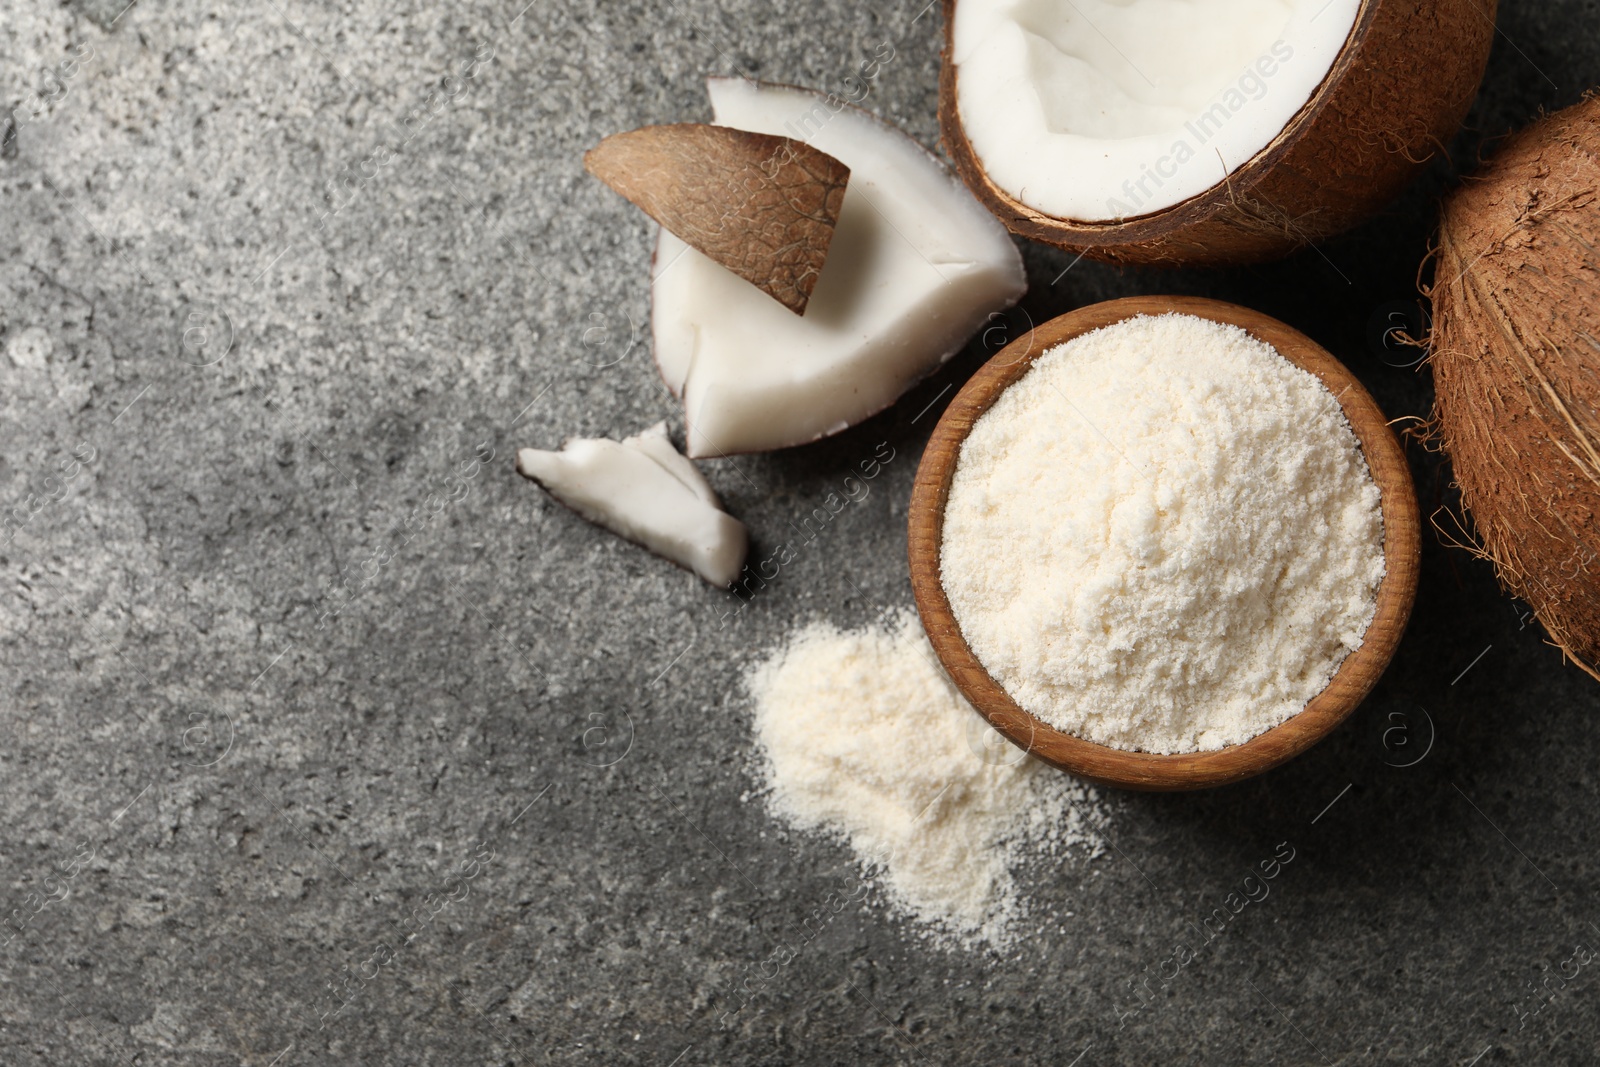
(643, 489)
(655, 443)
(915, 268)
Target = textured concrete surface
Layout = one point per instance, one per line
(327, 739)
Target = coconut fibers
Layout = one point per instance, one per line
(1163, 537)
(863, 737)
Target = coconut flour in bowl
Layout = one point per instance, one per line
(1163, 537)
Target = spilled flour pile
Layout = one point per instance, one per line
(865, 738)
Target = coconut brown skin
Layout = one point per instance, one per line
(1394, 97)
(1516, 366)
(764, 207)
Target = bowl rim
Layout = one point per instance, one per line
(1350, 684)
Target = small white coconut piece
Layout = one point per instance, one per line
(643, 489)
(915, 268)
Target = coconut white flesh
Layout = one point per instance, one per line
(644, 490)
(915, 267)
(1097, 110)
(655, 443)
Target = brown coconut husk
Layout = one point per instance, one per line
(1396, 94)
(760, 205)
(1516, 366)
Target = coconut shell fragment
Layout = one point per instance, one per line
(1516, 364)
(762, 206)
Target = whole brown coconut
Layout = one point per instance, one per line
(1396, 94)
(1516, 364)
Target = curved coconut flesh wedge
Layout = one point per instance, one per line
(1201, 131)
(916, 266)
(642, 489)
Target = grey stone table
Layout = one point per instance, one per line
(329, 740)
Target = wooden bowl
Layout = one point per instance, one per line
(1143, 770)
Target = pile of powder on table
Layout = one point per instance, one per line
(1163, 537)
(864, 737)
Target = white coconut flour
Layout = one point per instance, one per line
(1163, 537)
(863, 737)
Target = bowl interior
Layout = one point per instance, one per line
(1356, 675)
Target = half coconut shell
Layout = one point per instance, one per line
(1394, 96)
